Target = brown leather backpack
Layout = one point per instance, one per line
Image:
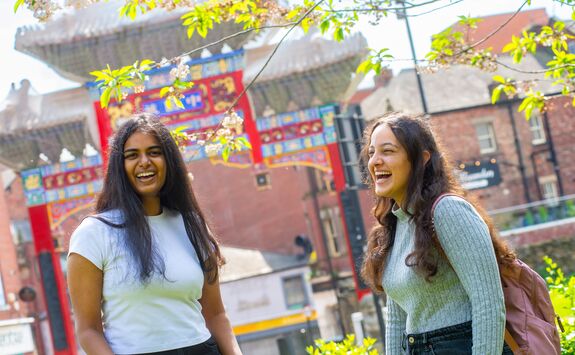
(530, 318)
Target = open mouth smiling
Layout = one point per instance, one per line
(147, 175)
(382, 175)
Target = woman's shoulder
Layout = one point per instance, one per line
(102, 220)
(453, 205)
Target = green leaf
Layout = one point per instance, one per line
(324, 26)
(509, 47)
(178, 102)
(244, 142)
(559, 26)
(293, 13)
(517, 56)
(496, 94)
(499, 79)
(133, 12)
(105, 98)
(524, 103)
(17, 5)
(338, 34)
(164, 91)
(364, 67)
(226, 153)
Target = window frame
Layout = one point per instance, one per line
(3, 300)
(490, 135)
(329, 217)
(539, 128)
(306, 299)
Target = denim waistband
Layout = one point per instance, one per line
(453, 331)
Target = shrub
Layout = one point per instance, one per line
(345, 347)
(562, 291)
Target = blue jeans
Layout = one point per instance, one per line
(453, 340)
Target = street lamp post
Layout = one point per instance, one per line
(402, 15)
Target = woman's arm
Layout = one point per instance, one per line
(394, 328)
(465, 239)
(85, 285)
(217, 320)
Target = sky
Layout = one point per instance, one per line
(390, 33)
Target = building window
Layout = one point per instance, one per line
(549, 190)
(486, 137)
(323, 181)
(21, 231)
(331, 221)
(294, 291)
(537, 130)
(3, 303)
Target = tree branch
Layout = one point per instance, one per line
(295, 24)
(385, 9)
(436, 9)
(233, 35)
(542, 71)
(497, 29)
(249, 85)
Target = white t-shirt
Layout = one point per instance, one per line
(161, 315)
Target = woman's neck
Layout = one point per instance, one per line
(152, 206)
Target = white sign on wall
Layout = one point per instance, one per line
(16, 338)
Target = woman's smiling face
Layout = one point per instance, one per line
(388, 164)
(145, 165)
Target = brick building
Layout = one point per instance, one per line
(522, 171)
(16, 325)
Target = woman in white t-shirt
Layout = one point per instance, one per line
(143, 270)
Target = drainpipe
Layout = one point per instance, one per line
(535, 172)
(519, 154)
(552, 154)
(313, 189)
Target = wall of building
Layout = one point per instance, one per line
(456, 131)
(561, 116)
(10, 307)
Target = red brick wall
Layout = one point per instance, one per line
(456, 131)
(242, 215)
(266, 219)
(542, 234)
(8, 260)
(562, 125)
(14, 196)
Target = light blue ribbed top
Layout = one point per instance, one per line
(469, 290)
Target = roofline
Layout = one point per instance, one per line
(305, 264)
(499, 103)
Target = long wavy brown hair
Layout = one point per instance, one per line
(426, 182)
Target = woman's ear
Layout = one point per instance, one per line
(426, 157)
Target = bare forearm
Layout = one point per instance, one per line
(221, 329)
(94, 343)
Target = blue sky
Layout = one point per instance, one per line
(391, 34)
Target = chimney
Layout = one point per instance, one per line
(383, 78)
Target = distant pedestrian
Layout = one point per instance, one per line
(143, 270)
(439, 272)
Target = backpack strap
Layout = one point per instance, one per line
(508, 338)
(439, 199)
(511, 342)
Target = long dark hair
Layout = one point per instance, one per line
(176, 194)
(426, 183)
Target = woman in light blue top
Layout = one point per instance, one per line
(143, 270)
(440, 273)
